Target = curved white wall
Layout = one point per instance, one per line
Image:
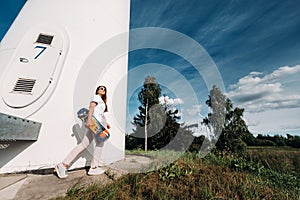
(84, 25)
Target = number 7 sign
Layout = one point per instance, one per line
(42, 50)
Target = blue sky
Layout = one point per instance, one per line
(255, 46)
(9, 9)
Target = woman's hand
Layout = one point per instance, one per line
(108, 126)
(88, 123)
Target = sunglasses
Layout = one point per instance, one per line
(102, 88)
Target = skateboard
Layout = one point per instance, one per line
(100, 132)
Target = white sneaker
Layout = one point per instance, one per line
(96, 171)
(61, 171)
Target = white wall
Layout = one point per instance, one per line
(95, 31)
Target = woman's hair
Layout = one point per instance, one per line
(103, 97)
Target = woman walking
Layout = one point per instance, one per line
(97, 108)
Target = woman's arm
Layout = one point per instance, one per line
(91, 111)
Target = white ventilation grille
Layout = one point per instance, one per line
(24, 85)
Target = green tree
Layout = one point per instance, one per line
(170, 126)
(294, 141)
(227, 123)
(148, 97)
(156, 123)
(217, 102)
(234, 131)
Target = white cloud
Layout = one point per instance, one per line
(257, 92)
(194, 111)
(273, 120)
(169, 101)
(282, 72)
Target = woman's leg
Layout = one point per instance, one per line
(86, 141)
(97, 154)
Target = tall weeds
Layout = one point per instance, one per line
(213, 177)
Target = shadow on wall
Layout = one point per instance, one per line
(10, 149)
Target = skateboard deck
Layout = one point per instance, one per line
(100, 132)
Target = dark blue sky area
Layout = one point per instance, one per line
(240, 36)
(8, 12)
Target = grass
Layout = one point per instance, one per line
(283, 159)
(263, 174)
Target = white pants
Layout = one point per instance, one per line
(86, 141)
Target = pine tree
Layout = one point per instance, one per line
(170, 126)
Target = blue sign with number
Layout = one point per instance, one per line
(42, 50)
